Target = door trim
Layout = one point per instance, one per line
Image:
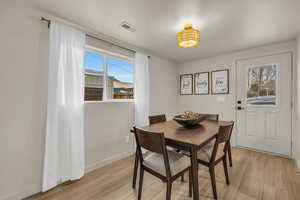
(292, 101)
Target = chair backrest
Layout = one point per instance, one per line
(157, 119)
(224, 135)
(154, 142)
(212, 117)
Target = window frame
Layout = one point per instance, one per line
(107, 54)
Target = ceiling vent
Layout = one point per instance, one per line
(127, 26)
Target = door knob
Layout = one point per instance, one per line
(240, 108)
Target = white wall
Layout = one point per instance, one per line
(23, 86)
(107, 125)
(23, 103)
(210, 103)
(163, 80)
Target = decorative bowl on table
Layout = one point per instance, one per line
(189, 119)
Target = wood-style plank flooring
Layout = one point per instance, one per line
(253, 176)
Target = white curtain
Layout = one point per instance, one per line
(64, 153)
(141, 89)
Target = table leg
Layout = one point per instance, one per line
(194, 169)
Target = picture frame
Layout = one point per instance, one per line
(186, 84)
(220, 81)
(202, 83)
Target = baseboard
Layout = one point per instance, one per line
(107, 161)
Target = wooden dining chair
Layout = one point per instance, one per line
(157, 119)
(152, 120)
(216, 118)
(163, 164)
(212, 117)
(211, 156)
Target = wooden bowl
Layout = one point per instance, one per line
(189, 122)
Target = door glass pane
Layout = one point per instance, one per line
(261, 88)
(94, 76)
(119, 79)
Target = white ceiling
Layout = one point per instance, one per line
(225, 25)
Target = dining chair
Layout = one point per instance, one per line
(212, 116)
(152, 120)
(216, 117)
(160, 162)
(211, 156)
(157, 119)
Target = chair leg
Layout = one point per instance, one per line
(226, 169)
(190, 183)
(182, 177)
(213, 181)
(141, 183)
(229, 155)
(135, 169)
(169, 189)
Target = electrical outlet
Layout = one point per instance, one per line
(127, 139)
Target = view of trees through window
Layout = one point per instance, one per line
(262, 85)
(118, 77)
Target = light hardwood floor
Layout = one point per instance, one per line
(253, 176)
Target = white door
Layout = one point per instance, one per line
(264, 103)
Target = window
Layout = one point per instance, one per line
(261, 88)
(117, 73)
(94, 76)
(120, 79)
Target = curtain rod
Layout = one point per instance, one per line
(94, 37)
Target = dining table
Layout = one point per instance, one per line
(188, 139)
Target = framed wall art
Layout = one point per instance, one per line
(186, 84)
(201, 83)
(220, 82)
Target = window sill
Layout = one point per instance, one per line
(112, 101)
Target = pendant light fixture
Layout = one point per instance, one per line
(188, 37)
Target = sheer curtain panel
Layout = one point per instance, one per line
(141, 89)
(64, 149)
